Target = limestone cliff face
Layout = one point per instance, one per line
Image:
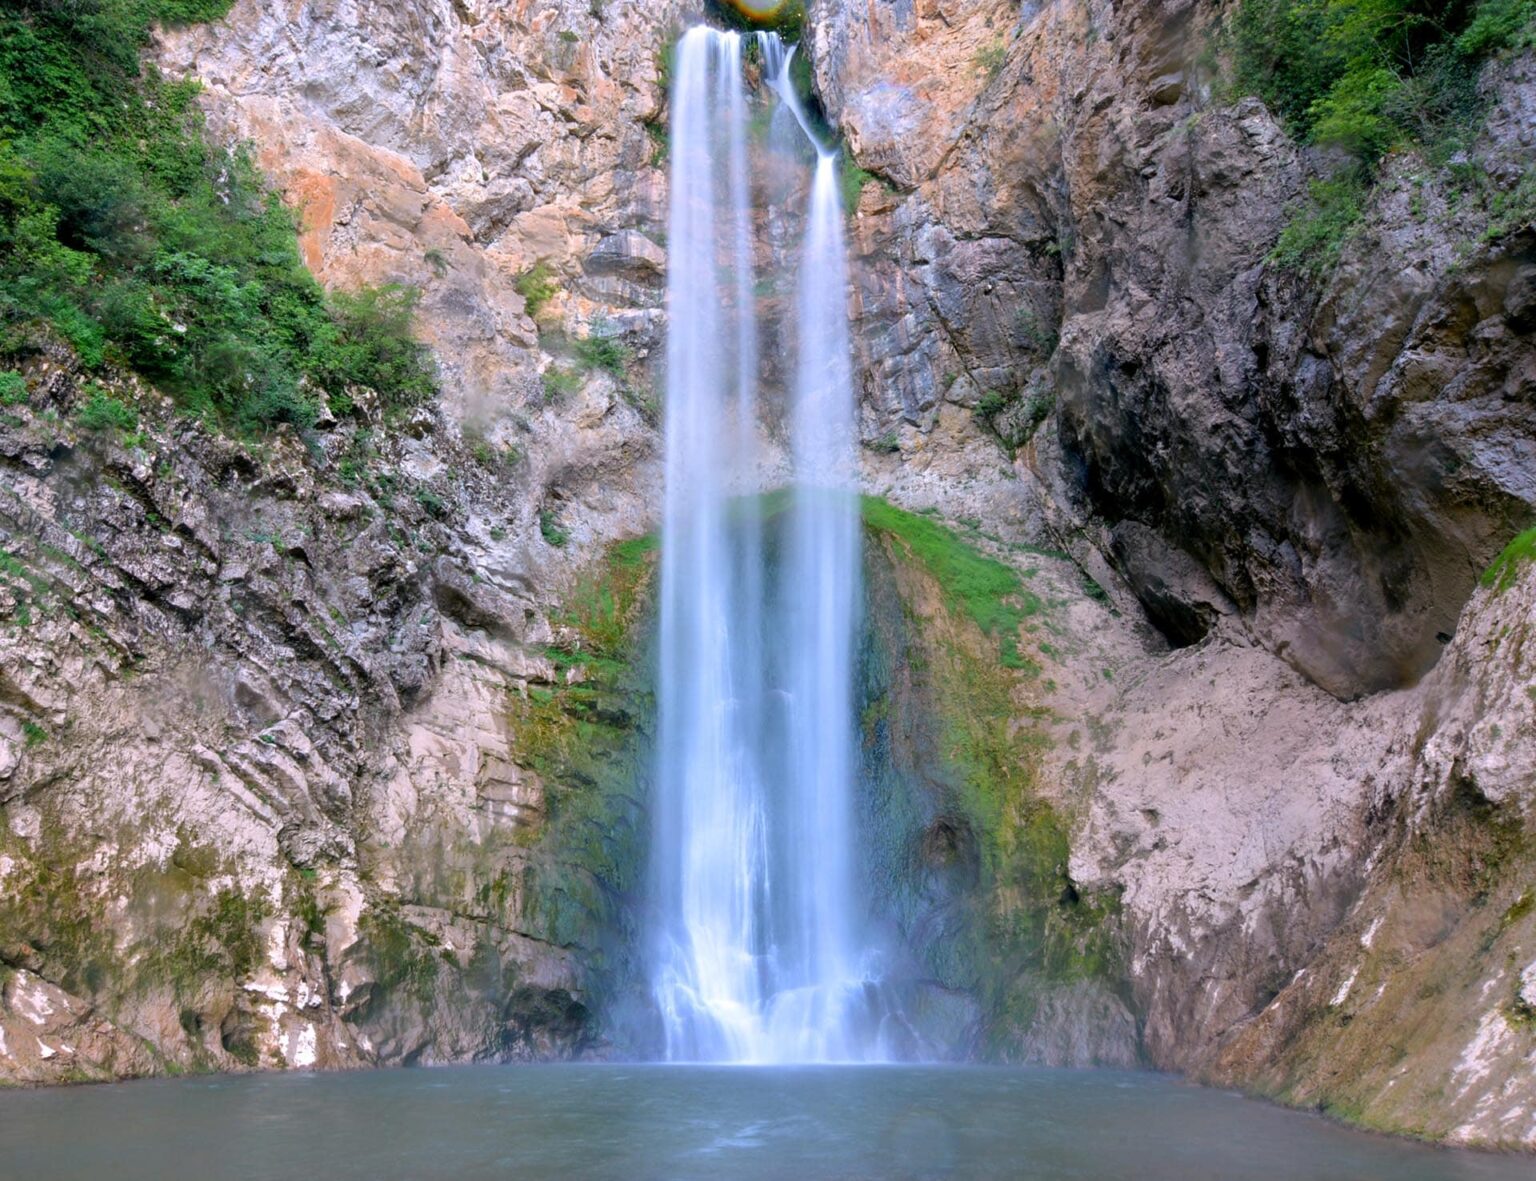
(298, 764)
(1067, 252)
(265, 780)
(1077, 222)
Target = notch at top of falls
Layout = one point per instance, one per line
(761, 948)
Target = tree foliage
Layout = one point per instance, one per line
(143, 244)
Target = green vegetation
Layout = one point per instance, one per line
(1313, 240)
(1367, 77)
(602, 352)
(1505, 570)
(991, 594)
(560, 382)
(1020, 927)
(13, 389)
(537, 286)
(1015, 416)
(552, 531)
(579, 736)
(102, 412)
(851, 179)
(131, 236)
(786, 18)
(991, 58)
(33, 734)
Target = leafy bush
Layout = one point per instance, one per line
(537, 286)
(142, 244)
(602, 352)
(13, 389)
(102, 412)
(1367, 76)
(551, 530)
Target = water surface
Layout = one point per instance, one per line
(649, 1123)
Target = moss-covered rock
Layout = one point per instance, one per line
(970, 851)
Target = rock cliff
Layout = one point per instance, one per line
(307, 755)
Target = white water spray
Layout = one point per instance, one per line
(760, 954)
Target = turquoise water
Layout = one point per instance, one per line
(636, 1123)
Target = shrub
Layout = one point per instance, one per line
(551, 530)
(990, 59)
(102, 412)
(13, 389)
(1337, 70)
(602, 352)
(560, 383)
(144, 245)
(1314, 237)
(373, 346)
(537, 286)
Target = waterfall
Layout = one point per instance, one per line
(759, 953)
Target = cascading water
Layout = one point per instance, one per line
(760, 954)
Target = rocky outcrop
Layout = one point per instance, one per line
(1082, 224)
(258, 774)
(1065, 253)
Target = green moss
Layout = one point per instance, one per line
(851, 181)
(1505, 570)
(580, 736)
(989, 592)
(1018, 929)
(403, 955)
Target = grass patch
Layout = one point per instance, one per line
(990, 593)
(1505, 570)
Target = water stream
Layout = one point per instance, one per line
(759, 953)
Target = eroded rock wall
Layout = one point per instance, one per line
(1064, 253)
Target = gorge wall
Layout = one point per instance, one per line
(325, 753)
